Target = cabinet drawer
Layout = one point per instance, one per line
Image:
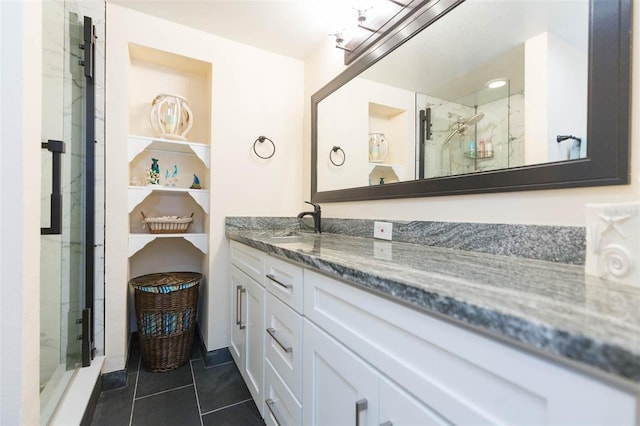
(248, 260)
(284, 280)
(281, 406)
(283, 343)
(463, 376)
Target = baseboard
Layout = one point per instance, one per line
(118, 379)
(211, 358)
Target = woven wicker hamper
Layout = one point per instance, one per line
(166, 306)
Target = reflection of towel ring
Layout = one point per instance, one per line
(336, 149)
(261, 139)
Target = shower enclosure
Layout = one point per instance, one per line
(471, 134)
(67, 226)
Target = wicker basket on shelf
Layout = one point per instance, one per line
(166, 308)
(167, 224)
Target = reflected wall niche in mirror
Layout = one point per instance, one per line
(480, 96)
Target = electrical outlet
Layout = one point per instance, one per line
(383, 230)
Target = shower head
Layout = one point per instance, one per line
(474, 119)
(462, 124)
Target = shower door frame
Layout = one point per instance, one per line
(85, 59)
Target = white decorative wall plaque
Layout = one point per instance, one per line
(613, 242)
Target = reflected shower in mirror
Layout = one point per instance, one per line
(488, 87)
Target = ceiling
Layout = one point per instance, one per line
(293, 28)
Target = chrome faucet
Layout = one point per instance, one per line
(316, 216)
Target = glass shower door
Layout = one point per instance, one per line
(64, 247)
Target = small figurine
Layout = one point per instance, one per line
(153, 174)
(196, 183)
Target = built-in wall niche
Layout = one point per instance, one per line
(166, 255)
(159, 204)
(393, 123)
(177, 169)
(152, 72)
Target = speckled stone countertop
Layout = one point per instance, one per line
(550, 308)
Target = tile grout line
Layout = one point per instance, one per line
(164, 391)
(228, 406)
(195, 389)
(135, 391)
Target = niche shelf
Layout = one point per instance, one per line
(137, 194)
(138, 241)
(137, 144)
(390, 172)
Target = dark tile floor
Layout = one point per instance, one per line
(189, 395)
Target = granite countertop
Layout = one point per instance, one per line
(551, 308)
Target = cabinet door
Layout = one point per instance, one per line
(238, 334)
(339, 388)
(398, 408)
(253, 321)
(281, 406)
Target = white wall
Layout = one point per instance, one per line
(254, 93)
(557, 207)
(20, 97)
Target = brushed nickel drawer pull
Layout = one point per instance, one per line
(272, 333)
(271, 406)
(238, 296)
(361, 405)
(273, 278)
(242, 291)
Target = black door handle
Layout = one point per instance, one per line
(55, 225)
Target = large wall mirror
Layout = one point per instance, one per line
(480, 96)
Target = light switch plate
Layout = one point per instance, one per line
(383, 230)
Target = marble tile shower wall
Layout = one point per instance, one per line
(503, 126)
(562, 244)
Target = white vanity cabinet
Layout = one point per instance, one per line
(247, 322)
(446, 374)
(348, 356)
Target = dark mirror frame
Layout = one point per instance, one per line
(608, 118)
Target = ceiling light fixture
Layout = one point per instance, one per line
(339, 40)
(362, 17)
(496, 83)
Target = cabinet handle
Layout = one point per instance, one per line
(271, 406)
(361, 405)
(238, 288)
(273, 278)
(239, 311)
(272, 333)
(387, 423)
